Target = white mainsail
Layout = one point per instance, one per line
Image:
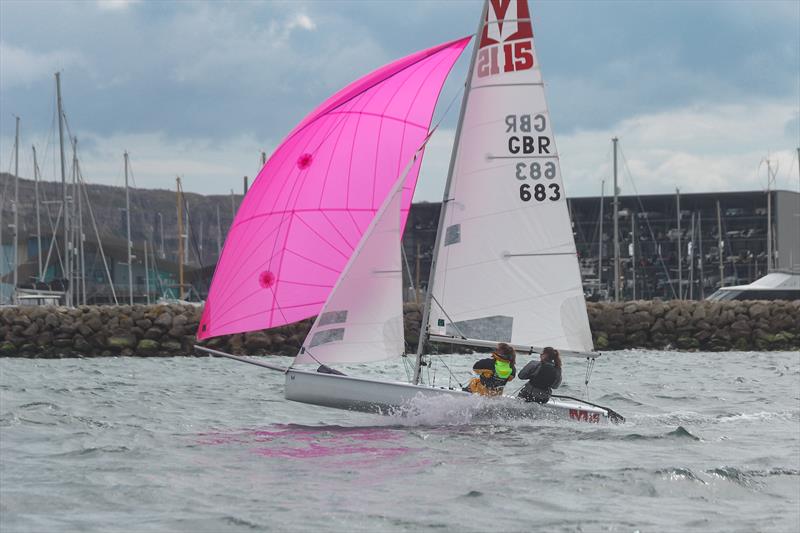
(507, 268)
(362, 320)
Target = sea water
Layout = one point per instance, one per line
(711, 443)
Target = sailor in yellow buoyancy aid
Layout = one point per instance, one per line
(493, 372)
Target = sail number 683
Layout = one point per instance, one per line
(539, 192)
(535, 171)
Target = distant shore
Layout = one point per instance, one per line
(168, 330)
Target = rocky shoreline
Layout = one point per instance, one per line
(168, 330)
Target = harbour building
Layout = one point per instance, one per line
(670, 245)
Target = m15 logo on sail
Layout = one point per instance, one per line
(506, 45)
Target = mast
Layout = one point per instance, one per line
(680, 257)
(246, 179)
(128, 224)
(701, 286)
(200, 244)
(719, 247)
(38, 219)
(633, 255)
(264, 158)
(445, 198)
(219, 235)
(80, 261)
(68, 288)
(769, 216)
(600, 238)
(146, 276)
(691, 262)
(16, 212)
(187, 228)
(161, 234)
(615, 140)
(180, 236)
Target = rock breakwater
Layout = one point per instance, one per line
(168, 330)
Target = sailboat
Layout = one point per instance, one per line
(319, 232)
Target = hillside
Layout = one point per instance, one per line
(108, 205)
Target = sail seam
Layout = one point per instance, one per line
(323, 239)
(401, 85)
(379, 115)
(335, 227)
(377, 82)
(260, 312)
(233, 280)
(220, 309)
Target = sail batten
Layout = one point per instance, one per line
(316, 195)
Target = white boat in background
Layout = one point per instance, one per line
(779, 285)
(319, 233)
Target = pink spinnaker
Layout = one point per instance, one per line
(317, 194)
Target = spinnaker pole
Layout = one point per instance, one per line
(423, 332)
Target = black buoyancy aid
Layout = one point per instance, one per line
(545, 376)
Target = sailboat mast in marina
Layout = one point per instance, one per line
(319, 232)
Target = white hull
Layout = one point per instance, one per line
(384, 397)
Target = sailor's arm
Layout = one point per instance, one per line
(528, 370)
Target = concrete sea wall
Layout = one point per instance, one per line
(167, 330)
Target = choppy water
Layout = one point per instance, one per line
(712, 443)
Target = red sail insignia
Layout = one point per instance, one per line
(507, 39)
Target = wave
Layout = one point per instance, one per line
(98, 450)
(678, 433)
(695, 418)
(680, 474)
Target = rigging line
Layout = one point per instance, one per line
(649, 227)
(158, 274)
(53, 229)
(405, 263)
(452, 322)
(406, 364)
(85, 190)
(590, 361)
(452, 375)
(198, 277)
(596, 233)
(304, 350)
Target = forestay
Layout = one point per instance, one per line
(507, 268)
(312, 201)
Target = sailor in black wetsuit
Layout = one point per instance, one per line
(543, 376)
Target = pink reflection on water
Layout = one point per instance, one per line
(359, 445)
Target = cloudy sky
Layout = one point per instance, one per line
(699, 93)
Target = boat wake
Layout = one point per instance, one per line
(467, 410)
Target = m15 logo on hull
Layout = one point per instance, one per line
(507, 39)
(584, 416)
